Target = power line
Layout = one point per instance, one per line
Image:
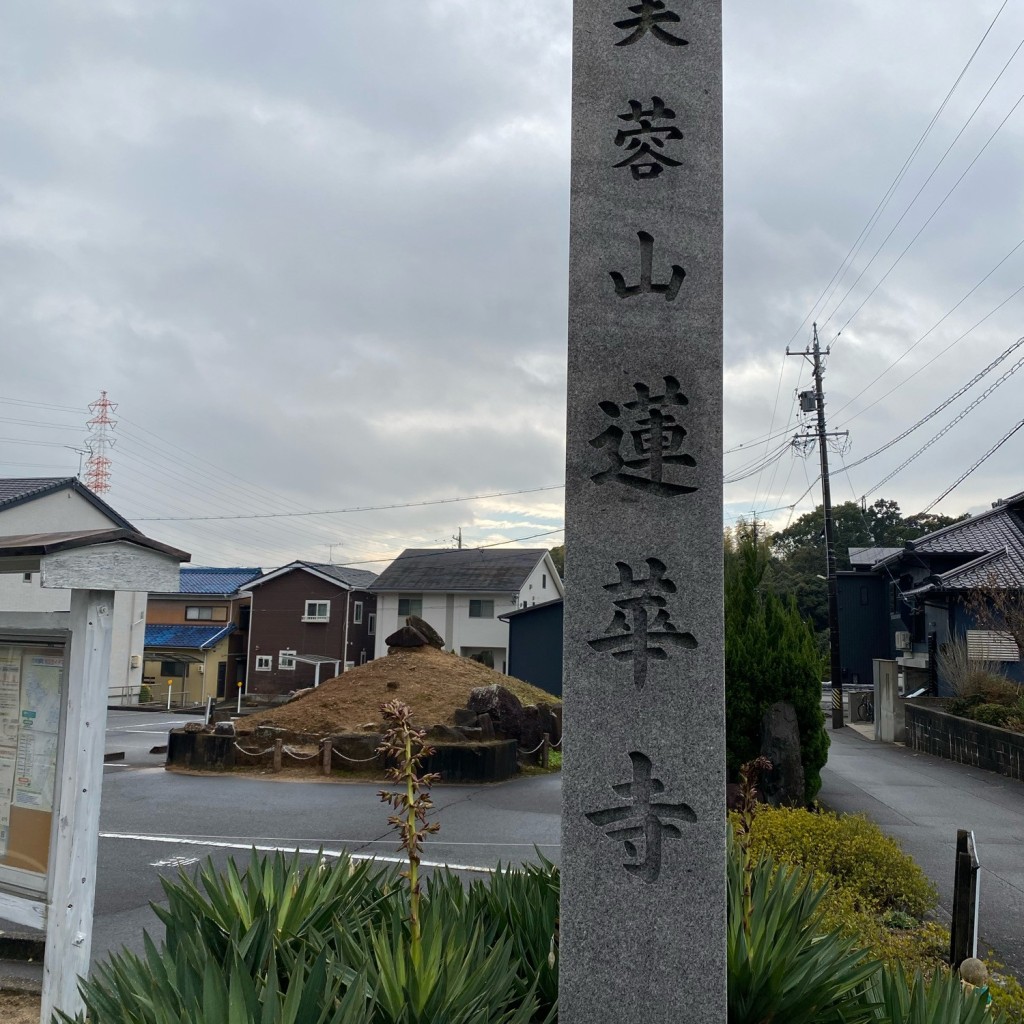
(886, 198)
(359, 508)
(445, 551)
(950, 425)
(931, 217)
(945, 316)
(949, 401)
(963, 476)
(924, 185)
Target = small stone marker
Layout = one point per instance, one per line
(643, 819)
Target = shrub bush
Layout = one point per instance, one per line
(991, 714)
(850, 852)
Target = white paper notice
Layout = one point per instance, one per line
(40, 692)
(10, 701)
(35, 770)
(8, 759)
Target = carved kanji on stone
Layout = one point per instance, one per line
(641, 627)
(645, 143)
(644, 439)
(669, 289)
(651, 15)
(643, 822)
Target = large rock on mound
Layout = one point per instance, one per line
(430, 634)
(407, 636)
(502, 706)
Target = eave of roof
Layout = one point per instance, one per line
(36, 544)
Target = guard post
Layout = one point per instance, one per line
(54, 682)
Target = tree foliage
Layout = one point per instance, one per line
(770, 655)
(558, 557)
(799, 563)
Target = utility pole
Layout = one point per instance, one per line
(458, 538)
(821, 436)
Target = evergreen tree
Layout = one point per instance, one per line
(770, 655)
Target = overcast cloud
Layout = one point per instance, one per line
(317, 253)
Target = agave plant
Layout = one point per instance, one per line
(783, 966)
(279, 904)
(940, 999)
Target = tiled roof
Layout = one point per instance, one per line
(195, 638)
(991, 543)
(16, 490)
(871, 556)
(358, 579)
(469, 570)
(352, 579)
(200, 579)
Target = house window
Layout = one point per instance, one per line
(264, 662)
(371, 623)
(357, 612)
(173, 668)
(991, 645)
(543, 581)
(317, 611)
(410, 604)
(205, 613)
(479, 609)
(26, 577)
(286, 661)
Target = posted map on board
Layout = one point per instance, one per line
(36, 761)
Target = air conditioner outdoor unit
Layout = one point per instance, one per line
(903, 641)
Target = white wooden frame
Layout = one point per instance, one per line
(93, 572)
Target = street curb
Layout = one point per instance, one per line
(22, 947)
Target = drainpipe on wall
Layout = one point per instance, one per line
(344, 642)
(248, 644)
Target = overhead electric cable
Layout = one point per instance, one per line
(949, 401)
(479, 547)
(950, 425)
(358, 508)
(884, 201)
(963, 476)
(931, 217)
(945, 316)
(924, 185)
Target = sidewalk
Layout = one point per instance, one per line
(921, 801)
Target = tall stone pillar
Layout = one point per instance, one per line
(643, 833)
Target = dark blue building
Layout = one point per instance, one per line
(907, 603)
(535, 645)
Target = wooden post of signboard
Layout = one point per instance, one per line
(73, 871)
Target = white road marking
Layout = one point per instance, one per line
(174, 862)
(278, 848)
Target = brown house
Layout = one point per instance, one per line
(309, 622)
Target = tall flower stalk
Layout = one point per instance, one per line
(403, 744)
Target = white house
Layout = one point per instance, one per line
(66, 505)
(462, 593)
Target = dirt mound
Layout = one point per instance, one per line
(431, 682)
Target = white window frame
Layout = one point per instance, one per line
(481, 601)
(316, 616)
(286, 661)
(199, 609)
(264, 663)
(371, 623)
(357, 612)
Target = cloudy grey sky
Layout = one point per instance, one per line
(316, 252)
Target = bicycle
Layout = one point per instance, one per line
(866, 708)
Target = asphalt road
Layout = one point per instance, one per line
(922, 801)
(152, 822)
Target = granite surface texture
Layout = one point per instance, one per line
(643, 861)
